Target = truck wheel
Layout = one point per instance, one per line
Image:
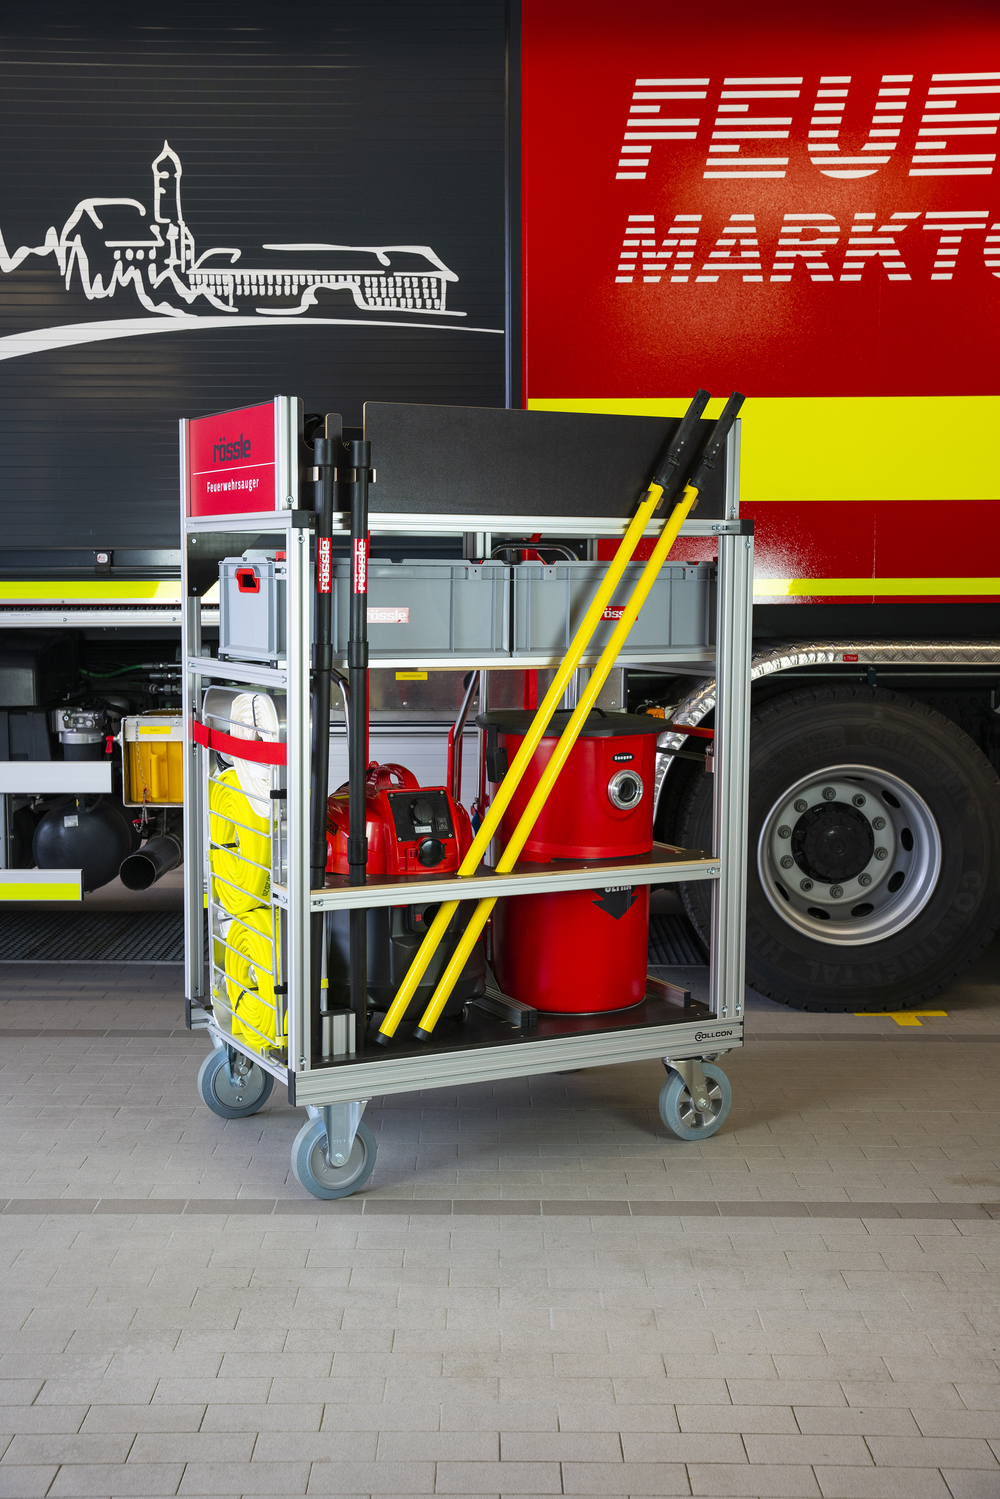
(874, 850)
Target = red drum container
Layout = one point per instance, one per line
(585, 951)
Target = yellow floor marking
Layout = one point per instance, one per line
(901, 1017)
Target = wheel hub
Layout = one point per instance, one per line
(832, 842)
(849, 854)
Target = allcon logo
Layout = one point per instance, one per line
(936, 126)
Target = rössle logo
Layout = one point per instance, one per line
(324, 551)
(229, 452)
(360, 584)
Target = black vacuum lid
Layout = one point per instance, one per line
(599, 725)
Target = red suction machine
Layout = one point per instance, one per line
(583, 951)
(412, 830)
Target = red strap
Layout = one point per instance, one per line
(686, 728)
(258, 750)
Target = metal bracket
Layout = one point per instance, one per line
(695, 1081)
(675, 994)
(521, 1016)
(238, 1065)
(340, 1120)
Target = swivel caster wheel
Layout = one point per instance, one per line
(312, 1167)
(231, 1095)
(678, 1111)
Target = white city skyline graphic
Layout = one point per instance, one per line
(103, 248)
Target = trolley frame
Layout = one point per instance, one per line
(485, 1050)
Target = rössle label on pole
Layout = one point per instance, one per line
(324, 550)
(360, 577)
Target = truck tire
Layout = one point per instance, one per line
(874, 850)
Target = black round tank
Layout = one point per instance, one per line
(88, 833)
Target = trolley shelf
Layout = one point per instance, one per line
(236, 671)
(412, 523)
(271, 676)
(481, 1049)
(665, 863)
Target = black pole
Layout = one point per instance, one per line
(324, 459)
(357, 456)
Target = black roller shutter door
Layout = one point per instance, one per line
(358, 123)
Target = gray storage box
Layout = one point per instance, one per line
(428, 609)
(551, 600)
(252, 607)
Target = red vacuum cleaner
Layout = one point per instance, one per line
(585, 951)
(412, 830)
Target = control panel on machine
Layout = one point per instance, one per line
(424, 815)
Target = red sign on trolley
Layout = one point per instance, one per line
(231, 467)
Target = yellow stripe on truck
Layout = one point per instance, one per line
(108, 590)
(20, 884)
(787, 588)
(40, 892)
(802, 448)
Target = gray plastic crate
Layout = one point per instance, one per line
(252, 607)
(550, 601)
(429, 609)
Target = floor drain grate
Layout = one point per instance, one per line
(92, 937)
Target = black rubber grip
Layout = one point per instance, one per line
(717, 441)
(669, 463)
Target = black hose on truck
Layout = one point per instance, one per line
(155, 858)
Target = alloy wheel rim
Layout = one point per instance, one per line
(849, 855)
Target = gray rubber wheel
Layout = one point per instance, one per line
(677, 1108)
(312, 1167)
(229, 1099)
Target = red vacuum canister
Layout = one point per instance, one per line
(412, 829)
(583, 951)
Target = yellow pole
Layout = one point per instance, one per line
(511, 781)
(666, 480)
(566, 742)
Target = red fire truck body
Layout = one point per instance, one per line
(805, 205)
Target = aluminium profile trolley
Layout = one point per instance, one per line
(322, 1057)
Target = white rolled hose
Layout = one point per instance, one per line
(253, 715)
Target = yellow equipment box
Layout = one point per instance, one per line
(153, 760)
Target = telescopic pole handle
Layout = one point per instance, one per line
(356, 456)
(717, 441)
(668, 473)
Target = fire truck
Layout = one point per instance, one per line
(802, 206)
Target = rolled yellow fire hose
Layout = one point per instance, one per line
(250, 977)
(240, 868)
(647, 506)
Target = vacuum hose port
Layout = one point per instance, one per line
(155, 859)
(625, 790)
